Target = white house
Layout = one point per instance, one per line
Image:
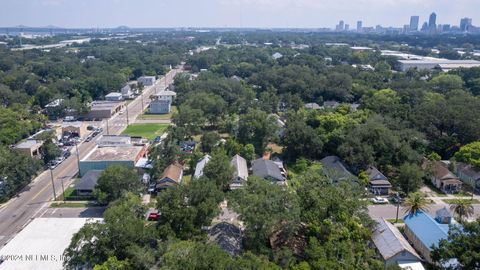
(200, 166)
(114, 96)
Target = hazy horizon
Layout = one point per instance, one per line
(230, 13)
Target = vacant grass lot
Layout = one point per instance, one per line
(148, 131)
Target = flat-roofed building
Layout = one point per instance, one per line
(162, 102)
(30, 147)
(437, 63)
(101, 158)
(114, 96)
(41, 243)
(104, 109)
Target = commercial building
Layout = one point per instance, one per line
(437, 63)
(31, 148)
(432, 23)
(114, 96)
(77, 128)
(465, 24)
(104, 109)
(147, 80)
(162, 102)
(359, 26)
(41, 244)
(105, 155)
(414, 23)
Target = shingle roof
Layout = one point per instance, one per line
(389, 241)
(426, 229)
(240, 167)
(227, 236)
(89, 180)
(200, 166)
(266, 168)
(441, 172)
(443, 213)
(375, 174)
(335, 168)
(173, 171)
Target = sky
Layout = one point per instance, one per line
(231, 13)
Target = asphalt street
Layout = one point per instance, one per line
(33, 201)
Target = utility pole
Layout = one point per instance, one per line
(398, 207)
(127, 114)
(53, 185)
(63, 190)
(108, 133)
(78, 156)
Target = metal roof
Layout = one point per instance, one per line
(389, 241)
(426, 229)
(200, 166)
(240, 166)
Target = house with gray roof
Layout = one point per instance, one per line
(200, 166)
(468, 174)
(227, 236)
(378, 183)
(87, 183)
(240, 171)
(335, 169)
(391, 245)
(268, 170)
(312, 106)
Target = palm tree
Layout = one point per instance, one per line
(462, 208)
(416, 202)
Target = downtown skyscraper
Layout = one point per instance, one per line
(414, 23)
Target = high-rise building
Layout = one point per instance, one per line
(465, 23)
(414, 23)
(359, 26)
(347, 27)
(432, 23)
(424, 27)
(341, 25)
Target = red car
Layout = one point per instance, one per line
(153, 216)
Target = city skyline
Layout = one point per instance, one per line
(231, 13)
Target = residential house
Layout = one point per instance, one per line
(268, 170)
(87, 183)
(240, 171)
(147, 80)
(114, 96)
(443, 179)
(30, 147)
(277, 55)
(127, 92)
(335, 169)
(312, 106)
(171, 176)
(162, 102)
(443, 216)
(200, 166)
(468, 174)
(331, 104)
(378, 183)
(391, 245)
(423, 232)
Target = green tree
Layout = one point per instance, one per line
(209, 140)
(113, 264)
(463, 209)
(446, 82)
(409, 177)
(470, 154)
(219, 170)
(415, 202)
(188, 255)
(115, 181)
(257, 128)
(463, 244)
(262, 206)
(189, 118)
(248, 152)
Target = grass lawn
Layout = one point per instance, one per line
(147, 116)
(69, 205)
(451, 201)
(392, 220)
(186, 179)
(148, 131)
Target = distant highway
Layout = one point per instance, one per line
(34, 200)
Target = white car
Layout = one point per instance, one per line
(379, 200)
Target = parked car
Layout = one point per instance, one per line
(379, 200)
(157, 139)
(153, 216)
(66, 154)
(90, 127)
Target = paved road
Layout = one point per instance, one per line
(35, 198)
(389, 210)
